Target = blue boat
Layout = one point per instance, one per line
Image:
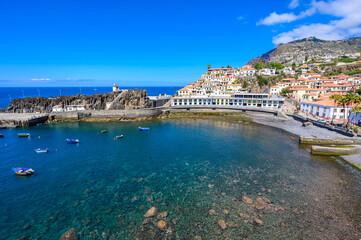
(23, 134)
(23, 171)
(144, 129)
(41, 150)
(72, 141)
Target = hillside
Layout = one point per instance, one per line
(297, 51)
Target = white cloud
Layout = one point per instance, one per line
(346, 24)
(294, 4)
(275, 18)
(40, 79)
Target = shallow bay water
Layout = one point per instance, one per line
(103, 186)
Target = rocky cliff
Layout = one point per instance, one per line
(131, 99)
(312, 47)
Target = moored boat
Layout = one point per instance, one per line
(72, 140)
(41, 150)
(23, 134)
(23, 171)
(2, 127)
(119, 136)
(144, 129)
(104, 131)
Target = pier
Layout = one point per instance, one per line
(22, 119)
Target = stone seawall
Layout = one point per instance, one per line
(105, 115)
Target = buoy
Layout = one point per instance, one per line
(6, 145)
(56, 150)
(114, 138)
(39, 136)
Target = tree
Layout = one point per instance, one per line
(294, 66)
(278, 66)
(306, 58)
(229, 66)
(335, 98)
(358, 91)
(262, 81)
(258, 65)
(285, 91)
(208, 66)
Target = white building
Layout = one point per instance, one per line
(253, 100)
(325, 108)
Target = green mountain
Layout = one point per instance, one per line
(308, 48)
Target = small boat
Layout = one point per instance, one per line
(23, 171)
(72, 141)
(144, 129)
(41, 150)
(294, 139)
(120, 136)
(1, 135)
(104, 131)
(23, 134)
(2, 127)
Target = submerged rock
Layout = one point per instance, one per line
(72, 234)
(257, 222)
(162, 225)
(222, 224)
(212, 212)
(247, 200)
(24, 238)
(162, 215)
(151, 212)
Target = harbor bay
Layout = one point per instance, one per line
(207, 178)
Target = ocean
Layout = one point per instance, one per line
(9, 93)
(195, 172)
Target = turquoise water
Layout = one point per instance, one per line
(104, 186)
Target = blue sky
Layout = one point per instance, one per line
(153, 43)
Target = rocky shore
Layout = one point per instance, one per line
(129, 99)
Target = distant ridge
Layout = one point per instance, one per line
(296, 51)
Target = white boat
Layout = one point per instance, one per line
(41, 150)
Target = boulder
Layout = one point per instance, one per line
(306, 124)
(222, 224)
(162, 225)
(151, 212)
(72, 234)
(247, 200)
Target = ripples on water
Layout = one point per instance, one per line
(104, 186)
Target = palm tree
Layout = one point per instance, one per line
(335, 98)
(342, 102)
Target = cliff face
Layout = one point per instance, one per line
(131, 99)
(296, 51)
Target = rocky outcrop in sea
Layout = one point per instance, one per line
(130, 99)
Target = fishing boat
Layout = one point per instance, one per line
(104, 131)
(144, 129)
(41, 150)
(72, 141)
(119, 136)
(23, 134)
(23, 171)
